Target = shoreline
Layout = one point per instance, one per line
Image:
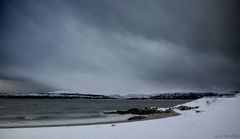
(148, 117)
(190, 124)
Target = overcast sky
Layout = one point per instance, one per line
(120, 46)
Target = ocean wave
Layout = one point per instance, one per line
(20, 118)
(51, 117)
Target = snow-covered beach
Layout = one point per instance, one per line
(119, 69)
(218, 118)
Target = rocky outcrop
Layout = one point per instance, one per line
(136, 111)
(184, 108)
(136, 118)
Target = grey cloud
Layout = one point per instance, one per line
(114, 45)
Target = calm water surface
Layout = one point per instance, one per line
(20, 112)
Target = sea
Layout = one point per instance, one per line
(54, 112)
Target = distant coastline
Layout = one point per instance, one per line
(178, 95)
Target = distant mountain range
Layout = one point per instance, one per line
(192, 95)
(51, 95)
(69, 95)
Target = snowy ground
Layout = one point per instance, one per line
(219, 119)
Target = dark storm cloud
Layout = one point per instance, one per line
(135, 45)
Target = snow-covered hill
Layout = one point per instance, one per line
(77, 94)
(55, 94)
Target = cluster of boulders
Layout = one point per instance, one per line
(184, 108)
(137, 111)
(142, 113)
(137, 118)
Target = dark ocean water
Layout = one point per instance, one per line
(27, 112)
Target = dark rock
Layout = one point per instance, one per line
(110, 112)
(184, 108)
(197, 111)
(168, 110)
(136, 111)
(136, 118)
(122, 112)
